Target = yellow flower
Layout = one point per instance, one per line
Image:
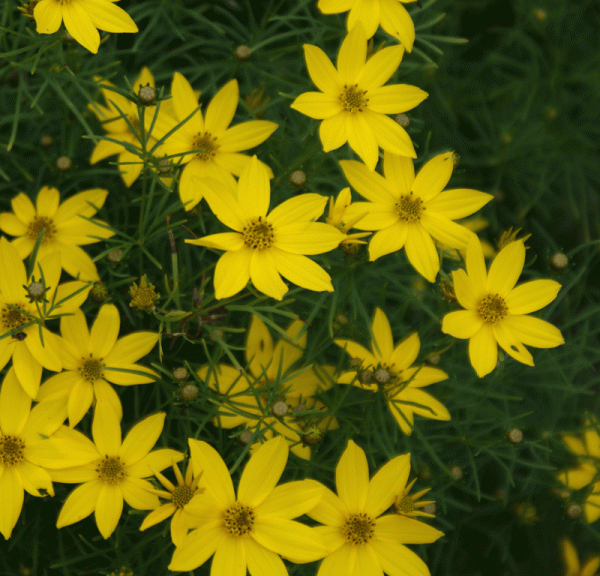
(353, 102)
(66, 227)
(587, 470)
(220, 157)
(265, 246)
(496, 311)
(391, 369)
(117, 128)
(91, 358)
(117, 472)
(408, 211)
(82, 18)
(270, 380)
(335, 217)
(475, 224)
(409, 504)
(252, 530)
(180, 496)
(143, 296)
(571, 560)
(392, 16)
(25, 303)
(31, 441)
(362, 541)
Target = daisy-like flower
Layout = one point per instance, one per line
(221, 144)
(391, 370)
(263, 245)
(337, 214)
(179, 497)
(83, 19)
(272, 384)
(361, 540)
(475, 224)
(496, 312)
(587, 470)
(392, 16)
(409, 504)
(353, 101)
(25, 303)
(571, 560)
(117, 472)
(408, 211)
(249, 532)
(30, 444)
(66, 227)
(93, 357)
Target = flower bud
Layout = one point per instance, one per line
(180, 374)
(146, 96)
(559, 261)
(189, 391)
(63, 163)
(242, 53)
(298, 178)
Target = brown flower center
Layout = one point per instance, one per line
(258, 233)
(358, 528)
(208, 142)
(111, 470)
(90, 369)
(405, 505)
(11, 450)
(239, 519)
(409, 208)
(12, 318)
(182, 495)
(353, 99)
(40, 223)
(492, 308)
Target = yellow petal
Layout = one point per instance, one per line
(506, 269)
(433, 176)
(291, 499)
(141, 438)
(303, 208)
(378, 70)
(459, 203)
(462, 323)
(246, 135)
(80, 400)
(301, 271)
(342, 561)
(531, 296)
(222, 107)
(395, 98)
(137, 493)
(155, 460)
(230, 558)
(48, 17)
(334, 6)
(85, 203)
(476, 266)
(47, 201)
(384, 486)
(383, 343)
(131, 348)
(224, 205)
(288, 352)
(318, 106)
(321, 71)
(15, 405)
(259, 347)
(109, 17)
(352, 478)
(80, 503)
(106, 431)
(511, 344)
(405, 353)
(263, 561)
(34, 477)
(105, 331)
(10, 224)
(11, 488)
(13, 279)
(232, 272)
(78, 264)
(465, 291)
(357, 351)
(264, 274)
(109, 507)
(362, 138)
(396, 21)
(397, 559)
(254, 190)
(216, 478)
(185, 102)
(308, 238)
(79, 24)
(421, 252)
(445, 230)
(483, 351)
(27, 369)
(158, 515)
(395, 528)
(352, 55)
(388, 240)
(333, 132)
(367, 13)
(534, 332)
(197, 547)
(399, 172)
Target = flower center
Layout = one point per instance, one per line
(358, 528)
(410, 209)
(91, 369)
(12, 318)
(182, 495)
(111, 470)
(492, 308)
(208, 142)
(258, 233)
(40, 223)
(353, 99)
(239, 519)
(11, 450)
(405, 505)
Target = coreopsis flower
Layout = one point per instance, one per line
(271, 379)
(117, 472)
(113, 117)
(571, 560)
(144, 295)
(179, 497)
(360, 539)
(475, 224)
(408, 210)
(496, 312)
(30, 443)
(83, 19)
(92, 359)
(336, 216)
(263, 245)
(354, 103)
(409, 504)
(587, 469)
(391, 371)
(25, 303)
(221, 145)
(252, 530)
(390, 14)
(66, 227)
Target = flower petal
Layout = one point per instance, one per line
(10, 224)
(362, 139)
(27, 369)
(531, 296)
(303, 208)
(459, 203)
(137, 493)
(445, 230)
(291, 499)
(155, 460)
(357, 351)
(106, 431)
(483, 350)
(131, 348)
(232, 272)
(141, 438)
(367, 13)
(221, 109)
(109, 17)
(534, 332)
(333, 131)
(398, 560)
(223, 204)
(388, 240)
(395, 98)
(254, 190)
(246, 135)
(228, 241)
(13, 279)
(158, 515)
(264, 274)
(476, 269)
(259, 346)
(379, 69)
(197, 547)
(511, 344)
(369, 184)
(79, 24)
(15, 405)
(506, 269)
(465, 291)
(80, 503)
(383, 487)
(352, 55)
(215, 478)
(395, 20)
(109, 507)
(105, 331)
(321, 71)
(185, 102)
(352, 478)
(308, 238)
(319, 106)
(383, 343)
(433, 176)
(48, 17)
(421, 252)
(395, 528)
(405, 353)
(263, 562)
(80, 400)
(462, 323)
(11, 488)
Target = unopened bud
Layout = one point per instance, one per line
(99, 292)
(46, 140)
(146, 96)
(381, 376)
(365, 376)
(189, 392)
(115, 256)
(216, 334)
(63, 163)
(165, 165)
(298, 178)
(573, 511)
(559, 261)
(447, 290)
(429, 508)
(342, 319)
(180, 374)
(312, 436)
(245, 437)
(402, 120)
(280, 409)
(242, 53)
(455, 159)
(355, 363)
(299, 408)
(514, 435)
(433, 360)
(35, 291)
(456, 472)
(540, 14)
